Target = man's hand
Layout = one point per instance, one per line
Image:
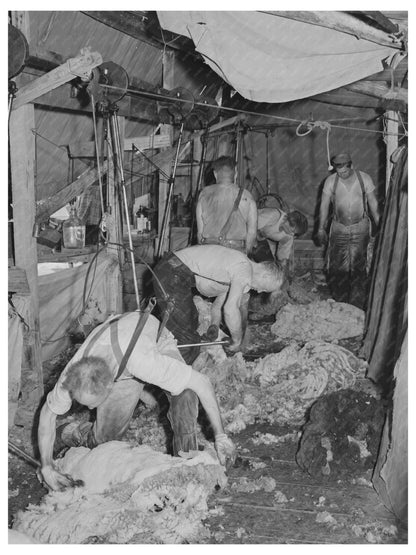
(226, 450)
(322, 237)
(233, 347)
(56, 481)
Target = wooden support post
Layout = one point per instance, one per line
(22, 161)
(112, 250)
(22, 156)
(168, 79)
(392, 141)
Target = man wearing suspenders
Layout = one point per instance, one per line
(108, 373)
(225, 213)
(351, 193)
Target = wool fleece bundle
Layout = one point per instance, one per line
(130, 495)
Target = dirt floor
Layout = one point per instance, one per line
(269, 499)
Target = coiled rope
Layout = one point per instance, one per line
(310, 124)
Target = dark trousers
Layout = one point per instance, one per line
(179, 284)
(347, 262)
(115, 413)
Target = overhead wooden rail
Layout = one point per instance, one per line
(80, 66)
(344, 22)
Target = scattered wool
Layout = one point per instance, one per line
(280, 498)
(269, 439)
(325, 320)
(326, 518)
(280, 387)
(246, 485)
(257, 465)
(131, 495)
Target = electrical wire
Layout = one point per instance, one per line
(159, 96)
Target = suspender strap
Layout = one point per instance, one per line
(361, 182)
(334, 196)
(226, 226)
(115, 345)
(112, 323)
(136, 334)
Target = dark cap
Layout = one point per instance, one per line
(342, 158)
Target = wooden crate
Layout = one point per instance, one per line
(308, 255)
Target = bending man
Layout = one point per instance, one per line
(90, 378)
(276, 232)
(214, 271)
(351, 193)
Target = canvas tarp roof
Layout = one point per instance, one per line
(273, 59)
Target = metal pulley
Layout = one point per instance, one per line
(108, 84)
(176, 110)
(18, 51)
(204, 112)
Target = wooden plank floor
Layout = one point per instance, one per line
(355, 512)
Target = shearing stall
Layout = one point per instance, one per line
(184, 368)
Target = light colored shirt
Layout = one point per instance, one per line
(348, 196)
(160, 364)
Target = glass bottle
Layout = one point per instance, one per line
(73, 231)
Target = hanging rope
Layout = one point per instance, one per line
(310, 125)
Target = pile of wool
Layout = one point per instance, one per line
(280, 387)
(326, 320)
(131, 495)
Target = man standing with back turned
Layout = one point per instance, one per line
(225, 213)
(351, 193)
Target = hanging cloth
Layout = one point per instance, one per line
(386, 320)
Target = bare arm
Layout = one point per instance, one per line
(216, 309)
(202, 386)
(251, 226)
(46, 438)
(373, 205)
(324, 210)
(232, 314)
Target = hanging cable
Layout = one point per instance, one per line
(156, 96)
(100, 182)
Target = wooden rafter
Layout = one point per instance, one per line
(81, 65)
(46, 207)
(344, 22)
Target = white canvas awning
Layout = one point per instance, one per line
(267, 58)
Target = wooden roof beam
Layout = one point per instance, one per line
(46, 207)
(344, 22)
(80, 66)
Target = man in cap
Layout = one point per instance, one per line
(94, 378)
(352, 195)
(225, 213)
